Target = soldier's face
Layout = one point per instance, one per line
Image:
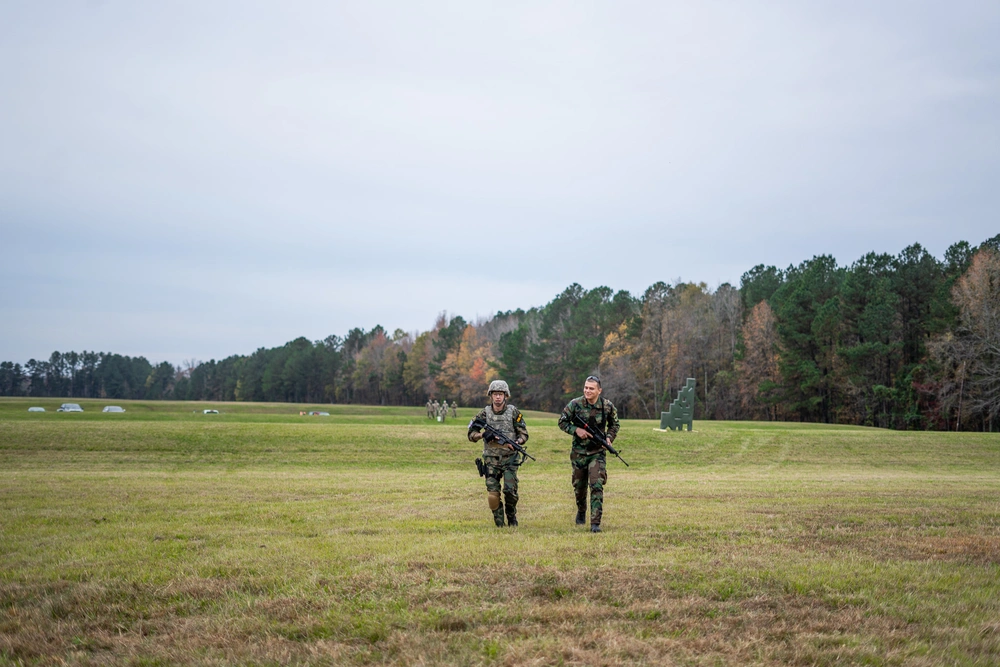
(498, 398)
(591, 391)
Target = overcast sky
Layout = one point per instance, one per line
(190, 180)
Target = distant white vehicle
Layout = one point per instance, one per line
(70, 407)
(113, 408)
(36, 409)
(211, 412)
(318, 413)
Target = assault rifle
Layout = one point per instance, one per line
(598, 437)
(493, 434)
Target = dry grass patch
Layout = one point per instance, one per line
(428, 616)
(359, 541)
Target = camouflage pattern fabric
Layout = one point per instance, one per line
(588, 458)
(602, 415)
(502, 463)
(589, 471)
(508, 421)
(503, 468)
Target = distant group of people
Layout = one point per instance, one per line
(435, 409)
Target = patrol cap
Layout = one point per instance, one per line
(498, 385)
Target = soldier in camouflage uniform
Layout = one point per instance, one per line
(430, 409)
(454, 409)
(501, 461)
(436, 407)
(588, 457)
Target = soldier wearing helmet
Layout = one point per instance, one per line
(501, 461)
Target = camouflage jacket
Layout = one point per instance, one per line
(602, 416)
(509, 422)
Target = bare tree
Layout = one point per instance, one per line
(618, 366)
(758, 370)
(977, 295)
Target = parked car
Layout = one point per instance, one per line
(211, 412)
(113, 408)
(70, 407)
(36, 409)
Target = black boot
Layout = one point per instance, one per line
(510, 506)
(511, 515)
(581, 517)
(595, 527)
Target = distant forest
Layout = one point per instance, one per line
(903, 342)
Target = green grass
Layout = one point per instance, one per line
(258, 536)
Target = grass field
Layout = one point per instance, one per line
(257, 536)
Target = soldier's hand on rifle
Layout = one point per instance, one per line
(476, 436)
(582, 433)
(520, 441)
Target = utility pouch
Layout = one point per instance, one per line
(481, 467)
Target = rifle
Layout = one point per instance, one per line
(494, 434)
(599, 437)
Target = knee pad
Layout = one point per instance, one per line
(493, 498)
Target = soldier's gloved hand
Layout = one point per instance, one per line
(476, 436)
(520, 441)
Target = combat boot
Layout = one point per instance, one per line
(581, 517)
(498, 517)
(595, 527)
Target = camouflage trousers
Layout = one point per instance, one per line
(589, 470)
(503, 468)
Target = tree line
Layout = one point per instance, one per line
(906, 342)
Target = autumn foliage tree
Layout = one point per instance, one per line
(969, 356)
(898, 341)
(468, 369)
(757, 368)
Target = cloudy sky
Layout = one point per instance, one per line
(190, 180)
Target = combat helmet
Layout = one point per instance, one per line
(498, 385)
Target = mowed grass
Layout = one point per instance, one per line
(258, 536)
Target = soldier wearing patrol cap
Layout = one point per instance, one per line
(501, 461)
